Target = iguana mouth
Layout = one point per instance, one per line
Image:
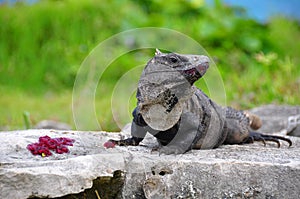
(193, 74)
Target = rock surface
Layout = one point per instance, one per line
(91, 171)
(278, 119)
(23, 175)
(52, 124)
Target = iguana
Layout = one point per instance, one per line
(181, 116)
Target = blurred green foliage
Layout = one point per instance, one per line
(42, 46)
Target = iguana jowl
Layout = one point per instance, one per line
(180, 115)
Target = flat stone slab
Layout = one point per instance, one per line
(231, 171)
(279, 119)
(24, 175)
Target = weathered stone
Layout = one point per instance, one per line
(232, 171)
(276, 119)
(228, 172)
(23, 175)
(51, 124)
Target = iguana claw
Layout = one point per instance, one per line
(263, 138)
(133, 141)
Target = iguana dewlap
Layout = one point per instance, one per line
(181, 116)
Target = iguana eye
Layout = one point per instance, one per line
(173, 59)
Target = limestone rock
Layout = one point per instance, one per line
(52, 124)
(279, 119)
(23, 175)
(232, 171)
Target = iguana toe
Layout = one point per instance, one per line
(263, 138)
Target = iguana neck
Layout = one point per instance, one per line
(166, 83)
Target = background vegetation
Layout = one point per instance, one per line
(42, 46)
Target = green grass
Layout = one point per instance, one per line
(43, 45)
(14, 103)
(54, 106)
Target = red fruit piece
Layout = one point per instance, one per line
(109, 144)
(68, 141)
(61, 149)
(44, 139)
(52, 144)
(31, 147)
(46, 143)
(59, 140)
(44, 151)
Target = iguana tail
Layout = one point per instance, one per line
(254, 121)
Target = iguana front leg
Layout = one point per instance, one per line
(132, 141)
(185, 137)
(138, 132)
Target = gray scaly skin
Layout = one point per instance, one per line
(180, 115)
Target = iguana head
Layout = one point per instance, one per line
(192, 67)
(165, 84)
